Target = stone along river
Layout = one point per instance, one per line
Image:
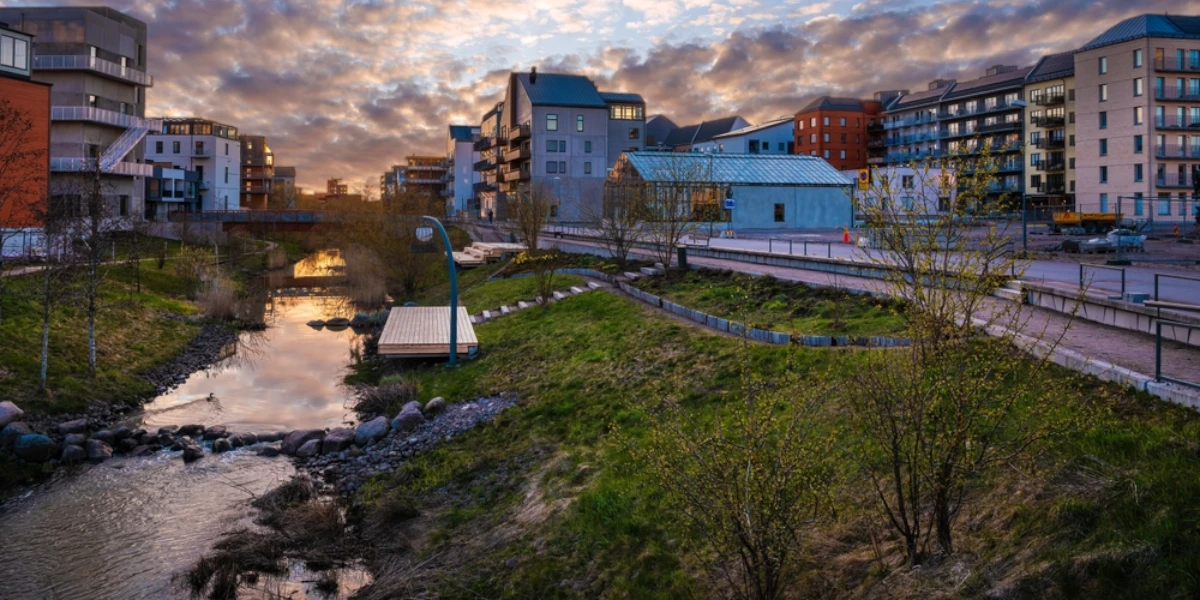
(123, 529)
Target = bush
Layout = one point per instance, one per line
(193, 267)
(276, 258)
(219, 299)
(387, 398)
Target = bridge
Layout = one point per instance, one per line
(271, 220)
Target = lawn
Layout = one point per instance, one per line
(770, 303)
(1108, 512)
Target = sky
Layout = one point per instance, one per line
(345, 88)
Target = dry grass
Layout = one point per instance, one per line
(218, 299)
(387, 398)
(365, 277)
(277, 258)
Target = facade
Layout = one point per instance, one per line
(911, 130)
(658, 128)
(768, 191)
(425, 174)
(989, 111)
(488, 194)
(258, 171)
(391, 182)
(95, 59)
(836, 129)
(682, 139)
(1138, 119)
(772, 137)
(461, 175)
(171, 189)
(27, 179)
(559, 133)
(209, 148)
(1050, 134)
(919, 191)
(335, 187)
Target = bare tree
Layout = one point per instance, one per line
(679, 193)
(23, 182)
(57, 285)
(282, 196)
(618, 223)
(530, 209)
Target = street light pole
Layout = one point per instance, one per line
(453, 290)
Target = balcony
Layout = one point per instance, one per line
(1050, 100)
(519, 132)
(1001, 126)
(202, 152)
(1050, 188)
(83, 62)
(1048, 121)
(202, 185)
(1176, 66)
(1047, 143)
(1004, 188)
(1174, 92)
(103, 116)
(256, 189)
(516, 175)
(1175, 122)
(424, 181)
(516, 154)
(1174, 180)
(484, 143)
(1176, 151)
(483, 187)
(978, 110)
(75, 165)
(1047, 166)
(484, 165)
(919, 119)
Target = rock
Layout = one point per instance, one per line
(73, 454)
(337, 322)
(435, 406)
(142, 450)
(11, 432)
(249, 439)
(97, 450)
(192, 452)
(105, 436)
(165, 439)
(309, 449)
(272, 437)
(371, 430)
(121, 433)
(316, 323)
(169, 429)
(407, 421)
(268, 451)
(127, 445)
(337, 439)
(148, 438)
(222, 445)
(9, 413)
(76, 426)
(354, 452)
(413, 405)
(35, 447)
(193, 430)
(214, 432)
(236, 440)
(74, 439)
(293, 441)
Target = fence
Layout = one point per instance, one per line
(1085, 266)
(1158, 339)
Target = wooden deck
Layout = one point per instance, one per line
(424, 331)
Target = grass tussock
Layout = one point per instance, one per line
(386, 398)
(219, 299)
(277, 258)
(365, 278)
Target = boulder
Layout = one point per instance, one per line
(435, 406)
(250, 439)
(121, 433)
(35, 447)
(105, 436)
(412, 405)
(273, 436)
(268, 451)
(9, 413)
(236, 441)
(222, 445)
(193, 430)
(309, 449)
(73, 454)
(192, 452)
(11, 432)
(127, 445)
(293, 441)
(75, 426)
(371, 430)
(97, 450)
(148, 438)
(214, 432)
(74, 439)
(337, 439)
(168, 429)
(166, 440)
(407, 421)
(142, 450)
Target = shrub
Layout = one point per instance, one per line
(218, 300)
(276, 258)
(387, 398)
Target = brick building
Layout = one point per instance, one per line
(25, 157)
(836, 129)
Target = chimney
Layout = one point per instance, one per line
(998, 69)
(940, 83)
(532, 75)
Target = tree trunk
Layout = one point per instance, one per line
(943, 518)
(45, 329)
(93, 286)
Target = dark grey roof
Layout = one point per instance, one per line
(1052, 66)
(921, 98)
(1161, 26)
(555, 89)
(707, 130)
(753, 128)
(790, 170)
(284, 172)
(833, 103)
(462, 133)
(622, 97)
(681, 136)
(999, 81)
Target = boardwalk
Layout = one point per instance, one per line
(424, 332)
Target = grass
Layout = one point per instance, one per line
(1109, 512)
(770, 303)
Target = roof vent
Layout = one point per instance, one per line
(533, 75)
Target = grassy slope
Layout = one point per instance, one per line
(778, 305)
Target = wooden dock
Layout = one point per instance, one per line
(424, 332)
(482, 252)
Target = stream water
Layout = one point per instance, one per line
(123, 529)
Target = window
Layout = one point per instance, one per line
(579, 123)
(158, 147)
(1194, 58)
(1137, 115)
(587, 168)
(907, 182)
(825, 137)
(1137, 203)
(826, 154)
(1137, 172)
(1104, 92)
(1137, 58)
(843, 121)
(14, 53)
(1137, 144)
(92, 101)
(226, 174)
(778, 213)
(124, 205)
(1103, 203)
(825, 121)
(1103, 174)
(562, 166)
(842, 154)
(1103, 120)
(175, 147)
(587, 146)
(551, 166)
(812, 138)
(551, 145)
(1137, 86)
(1164, 204)
(551, 122)
(1103, 146)
(782, 146)
(800, 124)
(635, 133)
(1103, 65)
(625, 112)
(812, 122)
(226, 148)
(843, 138)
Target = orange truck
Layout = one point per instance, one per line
(1085, 222)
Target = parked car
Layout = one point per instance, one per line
(1126, 239)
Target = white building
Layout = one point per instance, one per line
(207, 147)
(772, 137)
(461, 175)
(915, 191)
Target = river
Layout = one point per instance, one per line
(125, 528)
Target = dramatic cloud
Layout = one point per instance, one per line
(345, 88)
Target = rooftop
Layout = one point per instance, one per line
(1013, 78)
(1052, 66)
(789, 121)
(791, 170)
(1144, 26)
(834, 103)
(702, 132)
(463, 133)
(622, 97)
(922, 98)
(556, 89)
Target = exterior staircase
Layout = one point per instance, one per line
(122, 146)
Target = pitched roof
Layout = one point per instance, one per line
(791, 170)
(681, 136)
(1160, 26)
(556, 89)
(754, 128)
(989, 83)
(920, 98)
(1052, 66)
(622, 97)
(702, 132)
(462, 133)
(834, 103)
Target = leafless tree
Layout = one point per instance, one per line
(282, 196)
(22, 184)
(530, 208)
(619, 222)
(58, 284)
(680, 192)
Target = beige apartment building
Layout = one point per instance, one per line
(1050, 134)
(1138, 119)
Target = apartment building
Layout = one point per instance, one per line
(911, 129)
(684, 138)
(425, 174)
(171, 189)
(773, 137)
(989, 112)
(258, 171)
(391, 182)
(836, 129)
(209, 148)
(488, 194)
(335, 187)
(28, 177)
(559, 133)
(95, 59)
(461, 175)
(1138, 118)
(1050, 134)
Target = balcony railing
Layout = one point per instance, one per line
(202, 185)
(1001, 126)
(516, 175)
(978, 110)
(256, 189)
(1176, 151)
(1048, 121)
(1050, 166)
(483, 165)
(75, 62)
(425, 180)
(1050, 188)
(101, 115)
(516, 154)
(1046, 143)
(1050, 100)
(1174, 122)
(1172, 64)
(1175, 92)
(1004, 188)
(519, 132)
(483, 187)
(1174, 180)
(75, 165)
(201, 151)
(484, 143)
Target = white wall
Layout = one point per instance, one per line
(221, 194)
(736, 143)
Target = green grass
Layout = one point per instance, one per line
(769, 303)
(1130, 529)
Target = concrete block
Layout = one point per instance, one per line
(504, 310)
(660, 266)
(523, 305)
(594, 285)
(577, 290)
(560, 296)
(632, 276)
(488, 315)
(476, 319)
(1136, 297)
(650, 271)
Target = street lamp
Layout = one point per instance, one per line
(425, 234)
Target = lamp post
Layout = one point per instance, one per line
(425, 236)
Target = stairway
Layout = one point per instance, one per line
(123, 145)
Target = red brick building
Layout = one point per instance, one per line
(836, 129)
(24, 139)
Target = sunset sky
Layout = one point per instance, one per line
(344, 88)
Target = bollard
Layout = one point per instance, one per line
(681, 250)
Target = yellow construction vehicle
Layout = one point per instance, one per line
(1076, 222)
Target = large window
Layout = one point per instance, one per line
(579, 123)
(14, 53)
(625, 112)
(551, 122)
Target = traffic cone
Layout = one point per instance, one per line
(845, 235)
